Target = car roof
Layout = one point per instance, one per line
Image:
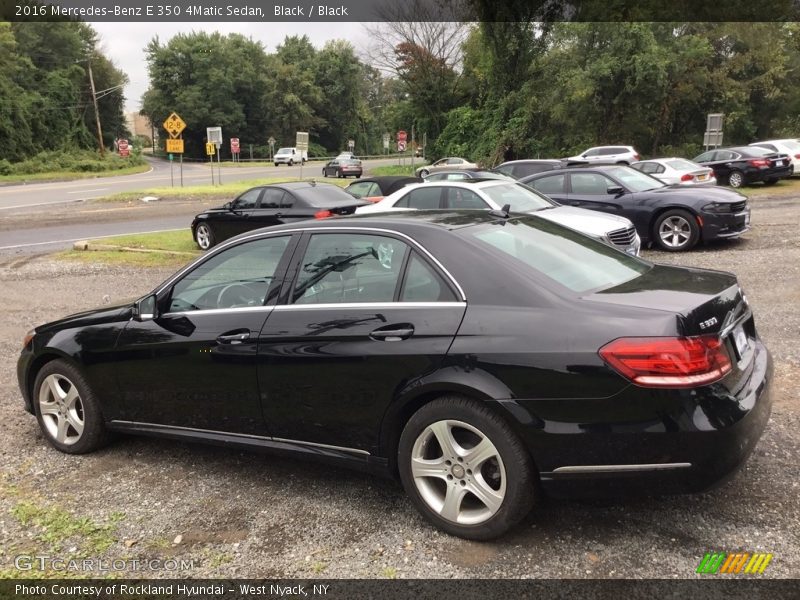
(538, 161)
(388, 179)
(299, 185)
(591, 167)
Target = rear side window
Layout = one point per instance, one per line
(565, 256)
(272, 198)
(423, 284)
(549, 185)
(422, 198)
(364, 189)
(458, 198)
(705, 157)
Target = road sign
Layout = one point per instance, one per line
(386, 138)
(301, 141)
(174, 125)
(271, 141)
(175, 146)
(124, 149)
(402, 136)
(401, 146)
(234, 145)
(214, 135)
(210, 148)
(351, 144)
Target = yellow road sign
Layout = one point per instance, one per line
(174, 125)
(210, 148)
(175, 146)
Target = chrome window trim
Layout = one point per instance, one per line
(217, 311)
(621, 468)
(242, 435)
(368, 305)
(289, 232)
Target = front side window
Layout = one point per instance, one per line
(590, 184)
(632, 179)
(238, 277)
(248, 199)
(549, 185)
(592, 152)
(349, 267)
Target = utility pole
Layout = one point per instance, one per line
(96, 112)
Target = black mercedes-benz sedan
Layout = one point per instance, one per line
(482, 358)
(672, 217)
(274, 204)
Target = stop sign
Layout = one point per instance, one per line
(122, 145)
(402, 136)
(234, 145)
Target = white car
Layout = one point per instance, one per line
(608, 154)
(676, 171)
(289, 156)
(788, 146)
(494, 194)
(452, 162)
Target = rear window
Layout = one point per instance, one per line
(325, 196)
(758, 151)
(519, 196)
(681, 165)
(567, 257)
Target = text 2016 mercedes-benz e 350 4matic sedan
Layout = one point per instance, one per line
(482, 358)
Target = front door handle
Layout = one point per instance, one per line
(234, 337)
(395, 334)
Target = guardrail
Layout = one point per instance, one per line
(395, 155)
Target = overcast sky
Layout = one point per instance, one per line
(124, 43)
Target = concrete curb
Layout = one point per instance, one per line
(87, 245)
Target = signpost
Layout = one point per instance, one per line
(174, 126)
(214, 135)
(124, 149)
(386, 140)
(351, 145)
(301, 143)
(235, 149)
(210, 149)
(271, 142)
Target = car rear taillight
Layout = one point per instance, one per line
(758, 162)
(323, 214)
(687, 177)
(637, 157)
(668, 362)
(797, 155)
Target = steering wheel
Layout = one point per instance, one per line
(236, 294)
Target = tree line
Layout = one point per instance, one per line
(45, 94)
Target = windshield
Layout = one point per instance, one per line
(634, 180)
(560, 254)
(284, 151)
(519, 196)
(325, 196)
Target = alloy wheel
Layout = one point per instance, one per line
(61, 408)
(203, 236)
(675, 231)
(735, 180)
(458, 472)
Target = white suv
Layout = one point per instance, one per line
(608, 154)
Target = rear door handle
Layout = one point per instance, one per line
(234, 337)
(393, 335)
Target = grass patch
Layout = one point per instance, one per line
(55, 527)
(170, 241)
(396, 169)
(71, 175)
(785, 187)
(226, 191)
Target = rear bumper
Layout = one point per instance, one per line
(691, 443)
(756, 174)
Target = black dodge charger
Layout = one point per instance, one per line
(672, 217)
(484, 359)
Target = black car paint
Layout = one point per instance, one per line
(314, 382)
(227, 221)
(643, 208)
(724, 165)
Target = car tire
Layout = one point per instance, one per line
(324, 172)
(340, 175)
(488, 500)
(676, 230)
(67, 409)
(424, 173)
(736, 179)
(204, 236)
(770, 181)
(291, 162)
(276, 164)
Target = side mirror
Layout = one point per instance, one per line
(228, 206)
(145, 309)
(615, 190)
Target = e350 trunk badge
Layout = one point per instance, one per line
(708, 323)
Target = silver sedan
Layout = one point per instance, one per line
(676, 171)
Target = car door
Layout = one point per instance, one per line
(590, 190)
(237, 220)
(201, 346)
(552, 186)
(269, 210)
(365, 313)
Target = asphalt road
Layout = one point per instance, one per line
(42, 194)
(51, 216)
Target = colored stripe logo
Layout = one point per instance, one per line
(734, 563)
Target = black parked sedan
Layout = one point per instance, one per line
(746, 164)
(373, 189)
(462, 174)
(482, 359)
(673, 217)
(271, 205)
(343, 167)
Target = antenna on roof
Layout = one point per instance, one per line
(503, 213)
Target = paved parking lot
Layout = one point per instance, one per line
(240, 514)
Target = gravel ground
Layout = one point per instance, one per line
(241, 514)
